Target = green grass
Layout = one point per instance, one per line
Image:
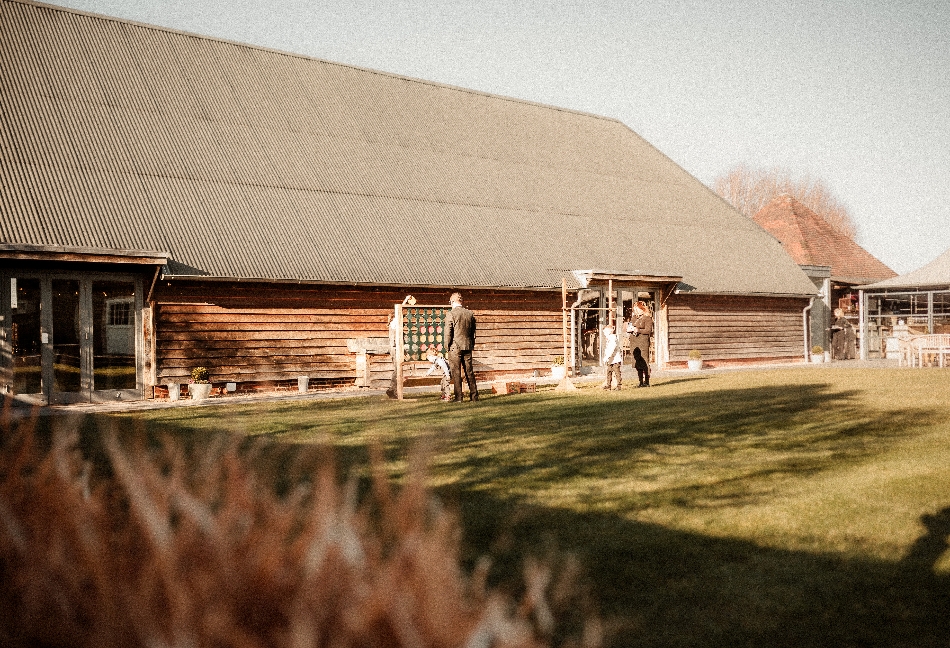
(795, 507)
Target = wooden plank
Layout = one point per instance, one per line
(226, 326)
(191, 317)
(261, 352)
(235, 369)
(346, 376)
(761, 338)
(208, 336)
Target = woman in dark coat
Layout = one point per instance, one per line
(640, 329)
(842, 337)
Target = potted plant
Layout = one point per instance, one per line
(558, 369)
(695, 361)
(817, 353)
(200, 385)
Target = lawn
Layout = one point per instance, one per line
(792, 507)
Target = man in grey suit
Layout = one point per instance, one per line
(458, 339)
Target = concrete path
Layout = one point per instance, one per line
(357, 392)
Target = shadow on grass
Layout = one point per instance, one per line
(665, 588)
(700, 449)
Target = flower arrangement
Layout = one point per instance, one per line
(695, 354)
(558, 361)
(200, 376)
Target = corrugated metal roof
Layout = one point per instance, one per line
(248, 163)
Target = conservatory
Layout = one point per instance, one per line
(914, 304)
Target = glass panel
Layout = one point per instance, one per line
(113, 324)
(66, 331)
(941, 312)
(27, 367)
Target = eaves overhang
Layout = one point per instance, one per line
(60, 253)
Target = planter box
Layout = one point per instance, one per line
(521, 387)
(694, 365)
(199, 391)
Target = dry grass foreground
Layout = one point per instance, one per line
(149, 541)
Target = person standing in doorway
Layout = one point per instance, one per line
(458, 339)
(613, 356)
(842, 337)
(640, 329)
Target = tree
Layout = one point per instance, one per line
(748, 190)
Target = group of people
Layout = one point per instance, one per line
(458, 340)
(640, 329)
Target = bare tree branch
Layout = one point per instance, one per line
(748, 190)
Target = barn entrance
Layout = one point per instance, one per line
(72, 338)
(599, 307)
(610, 297)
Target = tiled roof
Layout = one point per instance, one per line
(935, 274)
(811, 240)
(249, 163)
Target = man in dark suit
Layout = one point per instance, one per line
(458, 339)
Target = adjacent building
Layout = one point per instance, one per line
(834, 262)
(916, 303)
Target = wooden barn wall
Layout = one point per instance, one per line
(259, 333)
(736, 328)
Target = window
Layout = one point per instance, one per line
(119, 313)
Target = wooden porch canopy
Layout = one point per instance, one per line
(50, 254)
(621, 278)
(59, 253)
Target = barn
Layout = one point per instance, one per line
(172, 201)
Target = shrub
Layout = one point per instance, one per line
(200, 375)
(695, 354)
(558, 361)
(817, 350)
(225, 545)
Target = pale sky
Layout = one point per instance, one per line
(856, 94)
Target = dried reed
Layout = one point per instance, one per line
(159, 545)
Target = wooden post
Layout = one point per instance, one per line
(564, 319)
(610, 302)
(565, 384)
(400, 352)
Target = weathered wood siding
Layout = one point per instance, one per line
(259, 333)
(735, 328)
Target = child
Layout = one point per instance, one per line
(643, 369)
(438, 362)
(613, 355)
